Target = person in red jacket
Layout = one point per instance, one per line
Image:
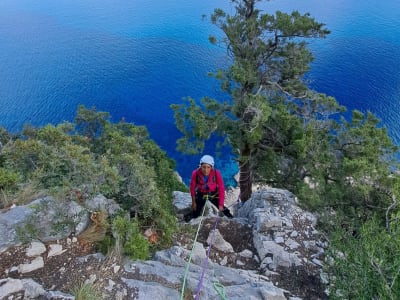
(207, 184)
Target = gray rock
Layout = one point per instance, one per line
(35, 264)
(102, 203)
(49, 219)
(273, 215)
(157, 270)
(182, 203)
(218, 242)
(59, 295)
(40, 216)
(152, 290)
(55, 249)
(9, 221)
(32, 289)
(174, 256)
(35, 249)
(246, 253)
(9, 286)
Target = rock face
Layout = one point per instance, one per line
(284, 234)
(37, 219)
(47, 219)
(284, 238)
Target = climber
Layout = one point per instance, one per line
(207, 184)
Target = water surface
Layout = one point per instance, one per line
(134, 58)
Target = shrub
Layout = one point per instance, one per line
(367, 265)
(128, 235)
(8, 179)
(95, 156)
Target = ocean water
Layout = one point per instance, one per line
(134, 58)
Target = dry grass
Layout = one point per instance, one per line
(97, 229)
(85, 291)
(26, 194)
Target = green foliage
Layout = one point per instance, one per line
(49, 158)
(146, 176)
(186, 229)
(138, 186)
(366, 266)
(165, 176)
(269, 58)
(90, 123)
(93, 156)
(55, 136)
(137, 247)
(196, 123)
(5, 138)
(86, 291)
(30, 230)
(106, 245)
(288, 136)
(365, 159)
(27, 232)
(109, 180)
(8, 179)
(128, 235)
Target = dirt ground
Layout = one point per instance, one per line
(296, 280)
(64, 272)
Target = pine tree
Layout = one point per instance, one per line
(269, 57)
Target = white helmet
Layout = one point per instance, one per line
(207, 159)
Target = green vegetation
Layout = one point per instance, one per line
(86, 292)
(79, 160)
(286, 135)
(130, 238)
(263, 84)
(283, 134)
(366, 266)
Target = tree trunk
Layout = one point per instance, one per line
(245, 178)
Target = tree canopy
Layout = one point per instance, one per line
(286, 135)
(269, 58)
(281, 132)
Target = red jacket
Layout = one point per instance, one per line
(198, 184)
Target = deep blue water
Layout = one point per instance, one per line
(134, 58)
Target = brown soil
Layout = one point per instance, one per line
(238, 235)
(65, 271)
(298, 281)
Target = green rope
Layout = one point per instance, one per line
(191, 252)
(220, 289)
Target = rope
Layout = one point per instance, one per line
(206, 260)
(191, 252)
(220, 289)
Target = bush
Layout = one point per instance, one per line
(367, 265)
(8, 179)
(129, 237)
(96, 156)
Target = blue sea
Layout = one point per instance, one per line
(134, 58)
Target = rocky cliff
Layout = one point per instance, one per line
(270, 250)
